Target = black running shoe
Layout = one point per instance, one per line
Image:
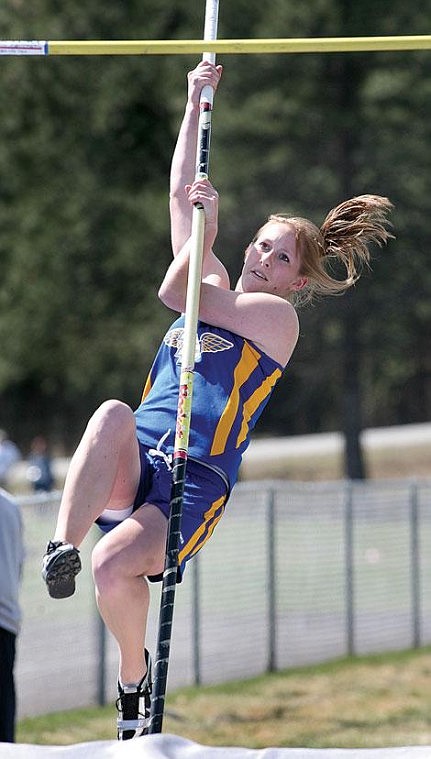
(61, 564)
(134, 706)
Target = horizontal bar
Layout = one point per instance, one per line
(21, 47)
(238, 46)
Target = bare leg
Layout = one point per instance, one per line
(104, 471)
(121, 560)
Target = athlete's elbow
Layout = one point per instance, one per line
(169, 297)
(163, 294)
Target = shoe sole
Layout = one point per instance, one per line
(60, 576)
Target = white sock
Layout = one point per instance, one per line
(116, 515)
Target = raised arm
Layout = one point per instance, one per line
(267, 319)
(183, 165)
(172, 291)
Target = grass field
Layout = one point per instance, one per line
(352, 703)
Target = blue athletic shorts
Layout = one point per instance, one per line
(206, 492)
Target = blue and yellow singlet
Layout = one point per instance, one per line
(233, 381)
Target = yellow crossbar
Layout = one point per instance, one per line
(169, 47)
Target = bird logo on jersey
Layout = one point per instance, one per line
(207, 343)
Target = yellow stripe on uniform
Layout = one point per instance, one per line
(193, 545)
(147, 388)
(244, 368)
(254, 402)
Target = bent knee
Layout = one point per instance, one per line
(111, 567)
(112, 417)
(106, 568)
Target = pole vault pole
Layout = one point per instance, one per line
(185, 395)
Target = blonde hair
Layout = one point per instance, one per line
(343, 238)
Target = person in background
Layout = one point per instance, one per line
(39, 471)
(9, 455)
(11, 562)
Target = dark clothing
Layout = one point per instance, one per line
(11, 560)
(7, 686)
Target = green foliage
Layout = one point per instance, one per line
(84, 239)
(83, 222)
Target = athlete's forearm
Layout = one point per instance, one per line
(183, 166)
(183, 163)
(173, 290)
(182, 173)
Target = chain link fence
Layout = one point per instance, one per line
(295, 574)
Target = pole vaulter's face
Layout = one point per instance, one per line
(272, 263)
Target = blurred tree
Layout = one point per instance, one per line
(311, 131)
(85, 147)
(84, 154)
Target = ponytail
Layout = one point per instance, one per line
(343, 239)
